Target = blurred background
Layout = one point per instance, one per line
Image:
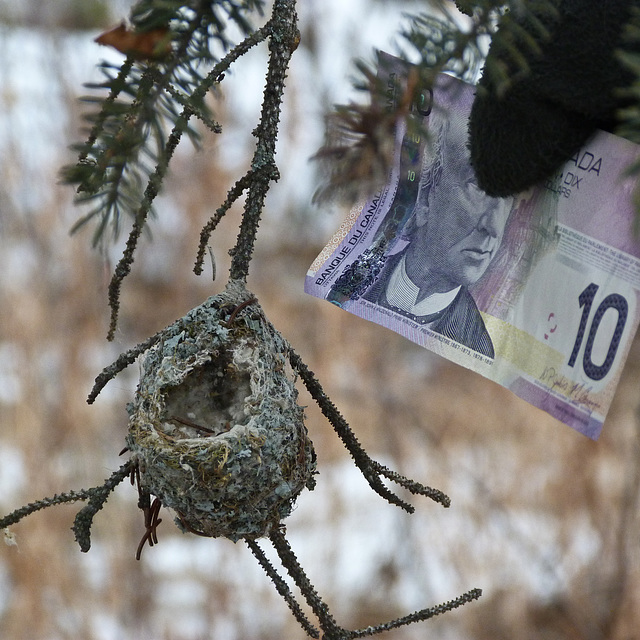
(545, 521)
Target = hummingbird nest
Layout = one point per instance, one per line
(215, 428)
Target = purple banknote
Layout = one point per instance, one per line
(539, 292)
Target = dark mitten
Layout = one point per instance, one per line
(525, 134)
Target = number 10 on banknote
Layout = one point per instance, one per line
(538, 292)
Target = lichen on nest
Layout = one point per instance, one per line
(215, 426)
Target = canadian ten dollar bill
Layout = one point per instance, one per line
(539, 292)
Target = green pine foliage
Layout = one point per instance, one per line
(177, 52)
(144, 105)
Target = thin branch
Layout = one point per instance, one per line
(282, 589)
(58, 498)
(123, 361)
(318, 606)
(282, 43)
(417, 616)
(411, 485)
(117, 86)
(97, 496)
(181, 98)
(234, 193)
(371, 469)
(331, 629)
(154, 183)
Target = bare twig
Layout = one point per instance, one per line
(282, 588)
(332, 631)
(417, 616)
(234, 193)
(282, 43)
(58, 498)
(97, 496)
(290, 563)
(123, 361)
(371, 469)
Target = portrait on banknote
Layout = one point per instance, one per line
(452, 234)
(438, 238)
(538, 292)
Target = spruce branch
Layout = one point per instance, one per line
(359, 141)
(371, 469)
(123, 267)
(282, 589)
(122, 167)
(117, 86)
(96, 496)
(282, 43)
(192, 27)
(127, 145)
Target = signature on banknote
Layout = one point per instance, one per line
(577, 391)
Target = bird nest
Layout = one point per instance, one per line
(215, 428)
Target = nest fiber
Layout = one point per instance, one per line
(215, 426)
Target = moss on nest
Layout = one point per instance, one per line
(215, 426)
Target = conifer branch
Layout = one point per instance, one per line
(154, 184)
(97, 496)
(118, 85)
(282, 43)
(371, 470)
(282, 589)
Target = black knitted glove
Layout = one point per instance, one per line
(544, 116)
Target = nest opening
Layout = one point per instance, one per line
(209, 401)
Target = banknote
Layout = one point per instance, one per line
(539, 292)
